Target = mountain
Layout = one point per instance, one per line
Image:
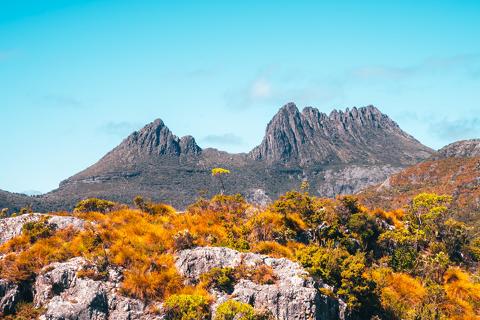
(453, 170)
(337, 153)
(363, 135)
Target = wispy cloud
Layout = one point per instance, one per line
(464, 128)
(60, 101)
(276, 86)
(433, 65)
(261, 88)
(227, 139)
(119, 129)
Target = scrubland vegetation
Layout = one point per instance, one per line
(415, 262)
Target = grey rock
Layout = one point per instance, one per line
(64, 295)
(460, 149)
(295, 294)
(10, 295)
(257, 197)
(351, 179)
(356, 135)
(12, 227)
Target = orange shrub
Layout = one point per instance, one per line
(271, 248)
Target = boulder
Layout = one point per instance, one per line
(66, 296)
(9, 296)
(12, 227)
(294, 295)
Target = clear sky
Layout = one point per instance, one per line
(76, 76)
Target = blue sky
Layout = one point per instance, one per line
(76, 76)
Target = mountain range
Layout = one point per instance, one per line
(342, 152)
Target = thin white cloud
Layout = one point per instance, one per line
(276, 87)
(223, 139)
(457, 129)
(119, 129)
(433, 65)
(60, 101)
(261, 88)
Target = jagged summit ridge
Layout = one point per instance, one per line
(353, 135)
(157, 139)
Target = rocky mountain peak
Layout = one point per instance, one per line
(353, 135)
(156, 139)
(460, 149)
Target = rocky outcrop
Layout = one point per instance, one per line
(78, 290)
(257, 197)
(10, 295)
(351, 179)
(460, 149)
(66, 296)
(12, 227)
(295, 294)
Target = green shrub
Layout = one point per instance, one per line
(94, 204)
(152, 208)
(38, 229)
(4, 213)
(235, 310)
(220, 278)
(325, 263)
(186, 307)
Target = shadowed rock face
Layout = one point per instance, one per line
(338, 153)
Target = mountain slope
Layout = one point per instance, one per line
(454, 170)
(337, 153)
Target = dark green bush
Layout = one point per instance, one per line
(220, 278)
(94, 204)
(38, 229)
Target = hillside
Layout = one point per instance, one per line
(454, 170)
(338, 153)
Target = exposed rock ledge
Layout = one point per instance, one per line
(295, 295)
(12, 227)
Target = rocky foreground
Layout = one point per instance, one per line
(73, 290)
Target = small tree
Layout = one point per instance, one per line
(220, 172)
(94, 204)
(4, 213)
